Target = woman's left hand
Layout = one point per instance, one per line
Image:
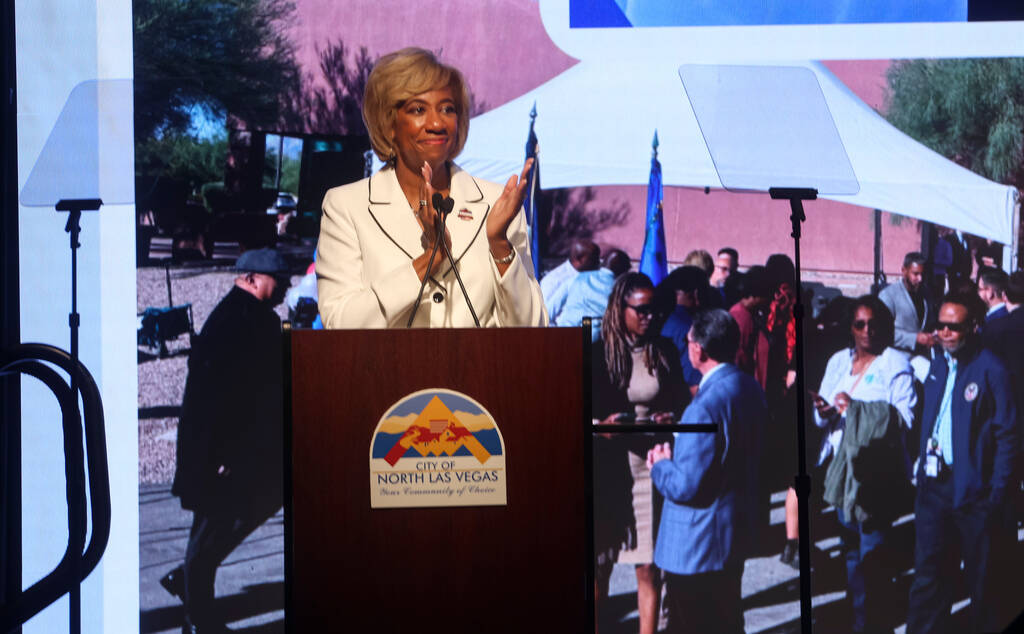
(663, 418)
(505, 210)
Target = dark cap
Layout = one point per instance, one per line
(267, 261)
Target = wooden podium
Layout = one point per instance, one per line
(523, 567)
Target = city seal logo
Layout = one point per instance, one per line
(437, 447)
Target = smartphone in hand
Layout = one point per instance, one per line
(819, 400)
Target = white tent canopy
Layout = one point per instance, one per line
(596, 120)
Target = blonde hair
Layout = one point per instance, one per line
(700, 259)
(399, 76)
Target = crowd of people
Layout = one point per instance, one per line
(913, 397)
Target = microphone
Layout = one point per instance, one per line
(444, 207)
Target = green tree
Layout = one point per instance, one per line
(214, 56)
(290, 174)
(172, 169)
(968, 110)
(182, 158)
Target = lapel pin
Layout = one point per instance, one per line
(971, 392)
(465, 214)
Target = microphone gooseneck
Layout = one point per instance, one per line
(444, 207)
(438, 239)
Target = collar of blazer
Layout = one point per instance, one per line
(390, 210)
(724, 370)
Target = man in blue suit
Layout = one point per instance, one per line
(709, 481)
(970, 440)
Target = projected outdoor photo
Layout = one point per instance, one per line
(246, 113)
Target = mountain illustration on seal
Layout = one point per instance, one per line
(437, 431)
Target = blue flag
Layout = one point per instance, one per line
(530, 201)
(653, 261)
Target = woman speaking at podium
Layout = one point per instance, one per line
(374, 267)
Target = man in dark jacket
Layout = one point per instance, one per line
(970, 440)
(1005, 337)
(229, 452)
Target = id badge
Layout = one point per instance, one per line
(931, 465)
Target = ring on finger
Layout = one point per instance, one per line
(423, 203)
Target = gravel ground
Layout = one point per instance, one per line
(162, 381)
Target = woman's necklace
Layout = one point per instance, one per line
(861, 364)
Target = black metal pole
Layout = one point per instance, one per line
(167, 277)
(878, 280)
(801, 482)
(74, 229)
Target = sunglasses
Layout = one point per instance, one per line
(861, 324)
(641, 309)
(961, 326)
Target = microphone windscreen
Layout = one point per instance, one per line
(438, 200)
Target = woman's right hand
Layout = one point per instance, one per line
(825, 409)
(428, 219)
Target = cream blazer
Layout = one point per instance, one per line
(369, 237)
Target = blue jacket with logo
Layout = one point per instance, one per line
(986, 434)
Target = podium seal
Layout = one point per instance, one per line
(437, 447)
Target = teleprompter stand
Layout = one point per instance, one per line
(82, 166)
(801, 481)
(76, 503)
(766, 126)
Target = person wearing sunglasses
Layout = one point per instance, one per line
(864, 406)
(636, 376)
(970, 441)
